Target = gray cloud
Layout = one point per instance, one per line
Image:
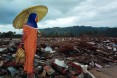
(57, 9)
(76, 12)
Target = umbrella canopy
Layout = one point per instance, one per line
(22, 18)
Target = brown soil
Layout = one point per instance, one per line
(107, 72)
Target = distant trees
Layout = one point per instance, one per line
(77, 31)
(57, 34)
(9, 34)
(111, 32)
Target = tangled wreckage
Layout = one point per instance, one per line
(60, 57)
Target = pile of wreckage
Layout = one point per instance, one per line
(63, 59)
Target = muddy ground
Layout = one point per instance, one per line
(107, 72)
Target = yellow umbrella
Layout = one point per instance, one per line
(22, 18)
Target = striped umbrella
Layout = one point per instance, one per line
(22, 18)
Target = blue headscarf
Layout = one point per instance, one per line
(31, 20)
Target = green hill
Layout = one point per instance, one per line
(76, 31)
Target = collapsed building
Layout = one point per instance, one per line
(61, 57)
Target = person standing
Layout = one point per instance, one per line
(30, 32)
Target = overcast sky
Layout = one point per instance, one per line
(62, 13)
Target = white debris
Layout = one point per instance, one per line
(12, 70)
(13, 55)
(97, 65)
(92, 43)
(1, 63)
(49, 49)
(60, 63)
(114, 49)
(1, 49)
(37, 56)
(109, 47)
(84, 68)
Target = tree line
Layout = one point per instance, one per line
(9, 34)
(79, 31)
(75, 31)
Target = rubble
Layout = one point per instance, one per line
(61, 57)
